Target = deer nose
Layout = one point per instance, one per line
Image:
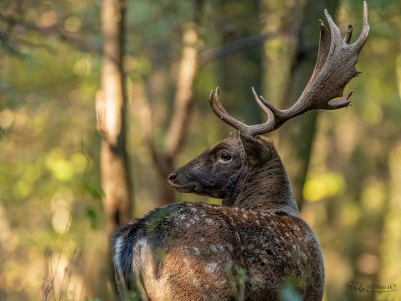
(171, 177)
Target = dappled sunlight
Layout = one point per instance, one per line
(323, 186)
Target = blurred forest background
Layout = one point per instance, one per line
(81, 101)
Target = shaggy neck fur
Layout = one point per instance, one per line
(264, 188)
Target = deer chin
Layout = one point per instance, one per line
(188, 188)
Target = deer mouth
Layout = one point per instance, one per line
(181, 188)
(173, 182)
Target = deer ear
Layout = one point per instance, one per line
(257, 149)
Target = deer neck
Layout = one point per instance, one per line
(264, 188)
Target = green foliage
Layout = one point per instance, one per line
(289, 293)
(93, 217)
(94, 191)
(237, 278)
(157, 217)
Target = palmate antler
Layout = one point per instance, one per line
(335, 67)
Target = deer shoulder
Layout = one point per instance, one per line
(255, 244)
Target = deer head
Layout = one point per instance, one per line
(244, 169)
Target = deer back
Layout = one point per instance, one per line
(195, 251)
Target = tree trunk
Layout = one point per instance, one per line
(110, 109)
(111, 122)
(296, 138)
(177, 130)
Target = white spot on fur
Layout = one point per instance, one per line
(220, 247)
(214, 249)
(202, 239)
(245, 216)
(211, 267)
(209, 221)
(182, 216)
(196, 250)
(193, 209)
(185, 249)
(230, 247)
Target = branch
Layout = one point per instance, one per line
(232, 47)
(7, 45)
(55, 29)
(183, 96)
(146, 122)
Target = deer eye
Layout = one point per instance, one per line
(225, 156)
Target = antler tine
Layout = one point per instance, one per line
(348, 35)
(365, 27)
(263, 105)
(334, 30)
(272, 115)
(218, 109)
(218, 102)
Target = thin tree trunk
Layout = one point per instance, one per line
(182, 104)
(110, 109)
(111, 106)
(296, 139)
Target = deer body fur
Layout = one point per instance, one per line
(272, 249)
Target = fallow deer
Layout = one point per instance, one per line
(256, 242)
